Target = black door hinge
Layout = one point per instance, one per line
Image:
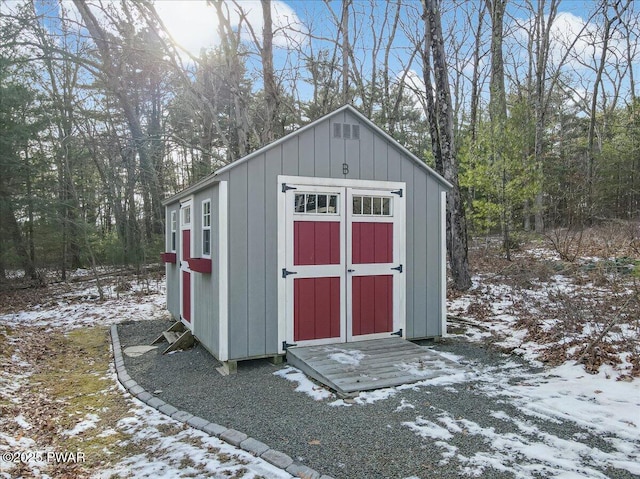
(286, 345)
(398, 269)
(286, 187)
(397, 333)
(397, 192)
(286, 273)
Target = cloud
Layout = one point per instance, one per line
(567, 31)
(194, 24)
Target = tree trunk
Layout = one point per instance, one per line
(9, 223)
(344, 27)
(272, 97)
(498, 114)
(456, 223)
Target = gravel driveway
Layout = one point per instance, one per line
(382, 439)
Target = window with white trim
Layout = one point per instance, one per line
(186, 215)
(206, 228)
(174, 230)
(316, 203)
(372, 206)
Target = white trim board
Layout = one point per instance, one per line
(223, 271)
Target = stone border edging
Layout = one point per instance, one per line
(231, 436)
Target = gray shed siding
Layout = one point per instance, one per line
(253, 274)
(205, 286)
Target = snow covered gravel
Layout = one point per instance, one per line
(492, 416)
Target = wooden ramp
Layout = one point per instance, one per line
(349, 368)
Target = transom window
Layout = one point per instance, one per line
(206, 227)
(174, 230)
(316, 203)
(186, 215)
(372, 205)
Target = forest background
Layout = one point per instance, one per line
(108, 107)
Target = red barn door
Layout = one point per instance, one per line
(185, 254)
(343, 267)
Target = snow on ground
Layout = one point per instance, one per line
(174, 450)
(563, 394)
(304, 384)
(84, 309)
(169, 449)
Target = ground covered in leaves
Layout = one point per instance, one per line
(565, 297)
(62, 412)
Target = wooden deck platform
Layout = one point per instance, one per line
(349, 368)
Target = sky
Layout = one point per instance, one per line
(303, 27)
(193, 25)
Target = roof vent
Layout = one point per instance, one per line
(346, 131)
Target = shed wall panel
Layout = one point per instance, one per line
(205, 286)
(238, 259)
(337, 150)
(421, 260)
(397, 165)
(306, 148)
(256, 301)
(290, 161)
(432, 254)
(272, 169)
(322, 150)
(367, 156)
(407, 175)
(380, 156)
(352, 153)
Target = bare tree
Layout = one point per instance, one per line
(441, 124)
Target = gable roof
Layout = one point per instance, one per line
(349, 108)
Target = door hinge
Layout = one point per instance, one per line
(397, 333)
(398, 269)
(286, 273)
(286, 345)
(398, 192)
(286, 187)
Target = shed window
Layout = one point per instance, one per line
(206, 228)
(372, 205)
(174, 230)
(313, 203)
(186, 215)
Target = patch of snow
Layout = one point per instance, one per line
(89, 422)
(528, 453)
(428, 429)
(349, 357)
(83, 309)
(22, 422)
(305, 385)
(187, 452)
(404, 404)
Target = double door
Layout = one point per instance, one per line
(344, 263)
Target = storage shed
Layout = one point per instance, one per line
(334, 233)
